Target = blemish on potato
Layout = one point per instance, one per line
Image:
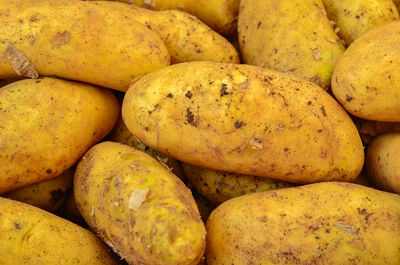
(20, 63)
(61, 38)
(188, 94)
(224, 90)
(137, 198)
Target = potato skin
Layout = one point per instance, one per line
(293, 36)
(48, 195)
(47, 125)
(244, 119)
(186, 38)
(324, 223)
(79, 41)
(164, 227)
(219, 186)
(383, 162)
(366, 80)
(31, 236)
(355, 17)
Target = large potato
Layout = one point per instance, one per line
(76, 40)
(292, 36)
(354, 17)
(140, 209)
(31, 236)
(47, 125)
(244, 119)
(366, 80)
(383, 162)
(186, 38)
(324, 223)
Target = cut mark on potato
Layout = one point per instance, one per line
(346, 227)
(21, 64)
(137, 198)
(256, 142)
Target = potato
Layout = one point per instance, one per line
(76, 40)
(186, 38)
(383, 162)
(31, 236)
(244, 119)
(355, 17)
(48, 195)
(324, 223)
(370, 129)
(140, 209)
(366, 80)
(219, 186)
(47, 125)
(293, 36)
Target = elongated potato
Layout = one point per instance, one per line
(76, 40)
(244, 119)
(219, 186)
(140, 209)
(48, 195)
(47, 125)
(366, 80)
(292, 36)
(324, 223)
(355, 17)
(383, 162)
(186, 38)
(31, 236)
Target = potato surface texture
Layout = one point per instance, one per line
(76, 40)
(324, 223)
(383, 162)
(31, 236)
(293, 36)
(244, 119)
(366, 80)
(47, 125)
(139, 208)
(186, 38)
(355, 17)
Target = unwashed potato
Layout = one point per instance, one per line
(366, 80)
(383, 162)
(31, 236)
(48, 195)
(370, 129)
(186, 38)
(219, 186)
(355, 17)
(244, 119)
(293, 36)
(324, 223)
(47, 125)
(76, 40)
(138, 207)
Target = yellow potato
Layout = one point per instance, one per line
(31, 236)
(186, 38)
(366, 80)
(76, 40)
(140, 209)
(382, 161)
(293, 36)
(48, 195)
(324, 223)
(219, 186)
(244, 119)
(354, 17)
(47, 125)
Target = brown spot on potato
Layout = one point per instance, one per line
(190, 118)
(348, 98)
(56, 196)
(224, 90)
(188, 94)
(48, 171)
(17, 225)
(170, 95)
(61, 38)
(239, 124)
(20, 63)
(323, 111)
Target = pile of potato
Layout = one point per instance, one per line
(185, 132)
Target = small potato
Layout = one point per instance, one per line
(47, 125)
(383, 162)
(366, 80)
(219, 186)
(355, 17)
(138, 207)
(31, 236)
(323, 223)
(293, 36)
(48, 195)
